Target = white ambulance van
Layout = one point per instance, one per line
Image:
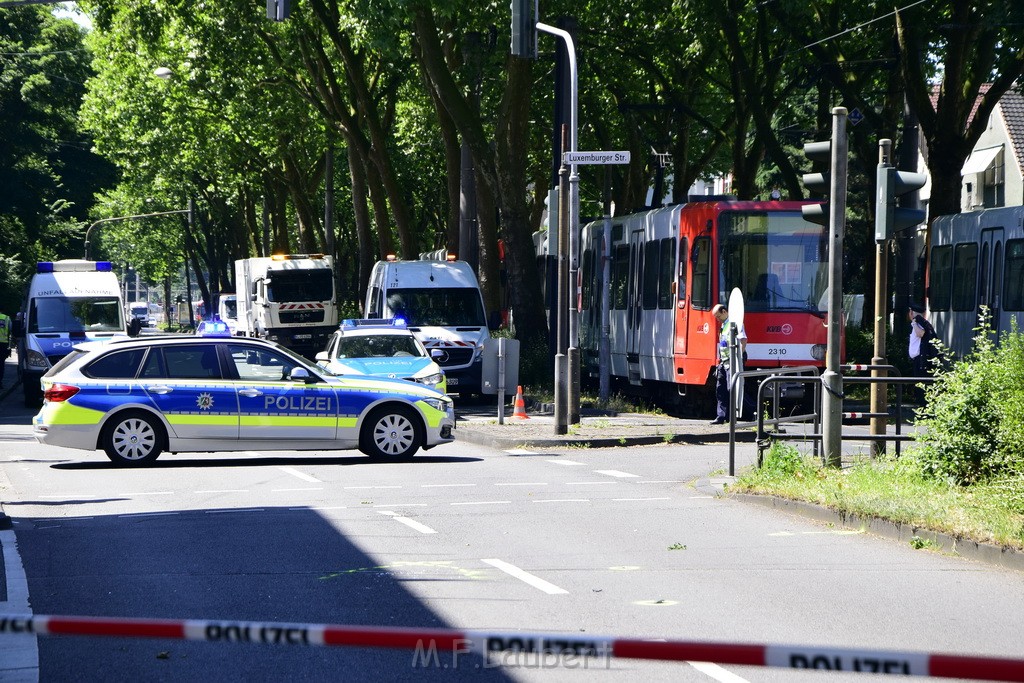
(442, 305)
(68, 302)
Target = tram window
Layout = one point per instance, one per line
(587, 284)
(650, 293)
(1013, 284)
(668, 258)
(939, 278)
(965, 276)
(681, 276)
(620, 270)
(701, 296)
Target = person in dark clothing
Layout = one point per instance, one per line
(721, 314)
(921, 347)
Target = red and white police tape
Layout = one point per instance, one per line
(553, 644)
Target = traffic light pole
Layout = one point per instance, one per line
(832, 380)
(879, 391)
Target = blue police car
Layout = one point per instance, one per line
(135, 398)
(380, 348)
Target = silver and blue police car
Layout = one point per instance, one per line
(135, 398)
(381, 348)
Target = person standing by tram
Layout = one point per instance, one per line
(921, 347)
(721, 314)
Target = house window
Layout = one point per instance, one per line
(994, 183)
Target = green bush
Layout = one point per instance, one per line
(974, 417)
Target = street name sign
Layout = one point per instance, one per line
(595, 158)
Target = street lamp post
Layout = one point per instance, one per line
(125, 218)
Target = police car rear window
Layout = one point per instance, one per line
(64, 362)
(117, 365)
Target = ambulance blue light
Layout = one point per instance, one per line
(104, 266)
(44, 267)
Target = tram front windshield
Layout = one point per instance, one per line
(776, 258)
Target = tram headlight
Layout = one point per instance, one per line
(818, 351)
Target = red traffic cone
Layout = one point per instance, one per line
(520, 405)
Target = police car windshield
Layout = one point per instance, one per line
(378, 346)
(79, 314)
(438, 306)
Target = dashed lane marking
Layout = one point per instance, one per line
(526, 577)
(307, 488)
(590, 483)
(716, 672)
(484, 502)
(562, 500)
(568, 463)
(523, 483)
(617, 473)
(223, 491)
(363, 488)
(520, 451)
(301, 475)
(443, 486)
(630, 500)
(408, 521)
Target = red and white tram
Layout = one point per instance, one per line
(670, 266)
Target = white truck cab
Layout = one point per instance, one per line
(442, 305)
(68, 302)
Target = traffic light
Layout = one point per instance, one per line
(279, 10)
(818, 152)
(524, 28)
(890, 218)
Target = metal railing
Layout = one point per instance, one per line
(777, 377)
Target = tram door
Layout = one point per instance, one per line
(991, 274)
(634, 304)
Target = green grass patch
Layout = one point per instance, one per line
(899, 490)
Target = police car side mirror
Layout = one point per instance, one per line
(437, 353)
(301, 374)
(322, 357)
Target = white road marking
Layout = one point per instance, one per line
(519, 451)
(524, 483)
(562, 500)
(590, 483)
(617, 473)
(148, 493)
(148, 514)
(222, 512)
(716, 672)
(660, 481)
(307, 488)
(20, 657)
(484, 502)
(535, 581)
(401, 505)
(223, 491)
(441, 486)
(318, 509)
(353, 488)
(413, 524)
(565, 462)
(301, 475)
(637, 499)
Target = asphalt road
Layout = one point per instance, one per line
(611, 541)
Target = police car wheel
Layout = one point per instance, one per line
(132, 439)
(390, 433)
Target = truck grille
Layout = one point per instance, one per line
(294, 317)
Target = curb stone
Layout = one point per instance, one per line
(988, 553)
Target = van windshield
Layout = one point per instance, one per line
(79, 314)
(301, 285)
(438, 306)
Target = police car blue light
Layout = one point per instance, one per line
(214, 327)
(135, 398)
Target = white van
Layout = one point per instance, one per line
(68, 302)
(442, 305)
